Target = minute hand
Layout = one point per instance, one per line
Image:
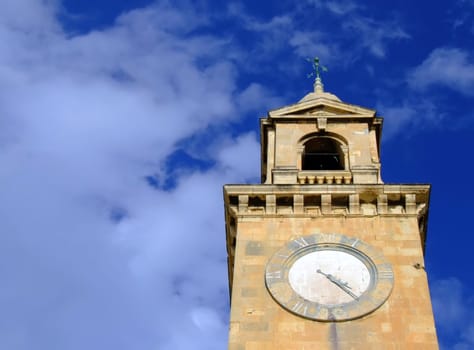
(338, 283)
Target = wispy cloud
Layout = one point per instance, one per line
(268, 35)
(449, 67)
(366, 32)
(403, 117)
(375, 35)
(339, 7)
(419, 107)
(452, 304)
(461, 16)
(307, 43)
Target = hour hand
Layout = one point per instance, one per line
(343, 285)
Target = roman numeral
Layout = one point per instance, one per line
(356, 242)
(273, 275)
(300, 307)
(385, 274)
(301, 242)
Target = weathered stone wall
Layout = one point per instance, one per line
(361, 142)
(404, 321)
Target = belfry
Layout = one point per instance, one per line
(322, 254)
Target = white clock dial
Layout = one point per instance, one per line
(329, 277)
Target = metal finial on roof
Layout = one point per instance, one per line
(318, 68)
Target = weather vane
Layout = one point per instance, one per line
(317, 67)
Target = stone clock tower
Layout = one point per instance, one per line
(322, 254)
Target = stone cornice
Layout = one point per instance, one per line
(392, 189)
(258, 201)
(302, 106)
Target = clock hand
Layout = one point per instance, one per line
(334, 279)
(345, 284)
(340, 284)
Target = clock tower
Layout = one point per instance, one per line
(322, 254)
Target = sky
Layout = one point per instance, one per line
(121, 120)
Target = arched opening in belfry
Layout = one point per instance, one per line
(322, 153)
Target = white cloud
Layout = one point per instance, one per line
(460, 16)
(255, 97)
(92, 257)
(30, 17)
(452, 305)
(401, 117)
(450, 67)
(366, 33)
(206, 319)
(374, 35)
(339, 8)
(396, 117)
(275, 24)
(446, 67)
(241, 159)
(328, 29)
(307, 43)
(270, 35)
(449, 310)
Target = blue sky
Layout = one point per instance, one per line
(121, 120)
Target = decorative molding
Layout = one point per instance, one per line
(321, 112)
(322, 123)
(251, 200)
(321, 103)
(324, 177)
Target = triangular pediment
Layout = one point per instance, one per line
(321, 106)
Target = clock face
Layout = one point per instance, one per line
(329, 277)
